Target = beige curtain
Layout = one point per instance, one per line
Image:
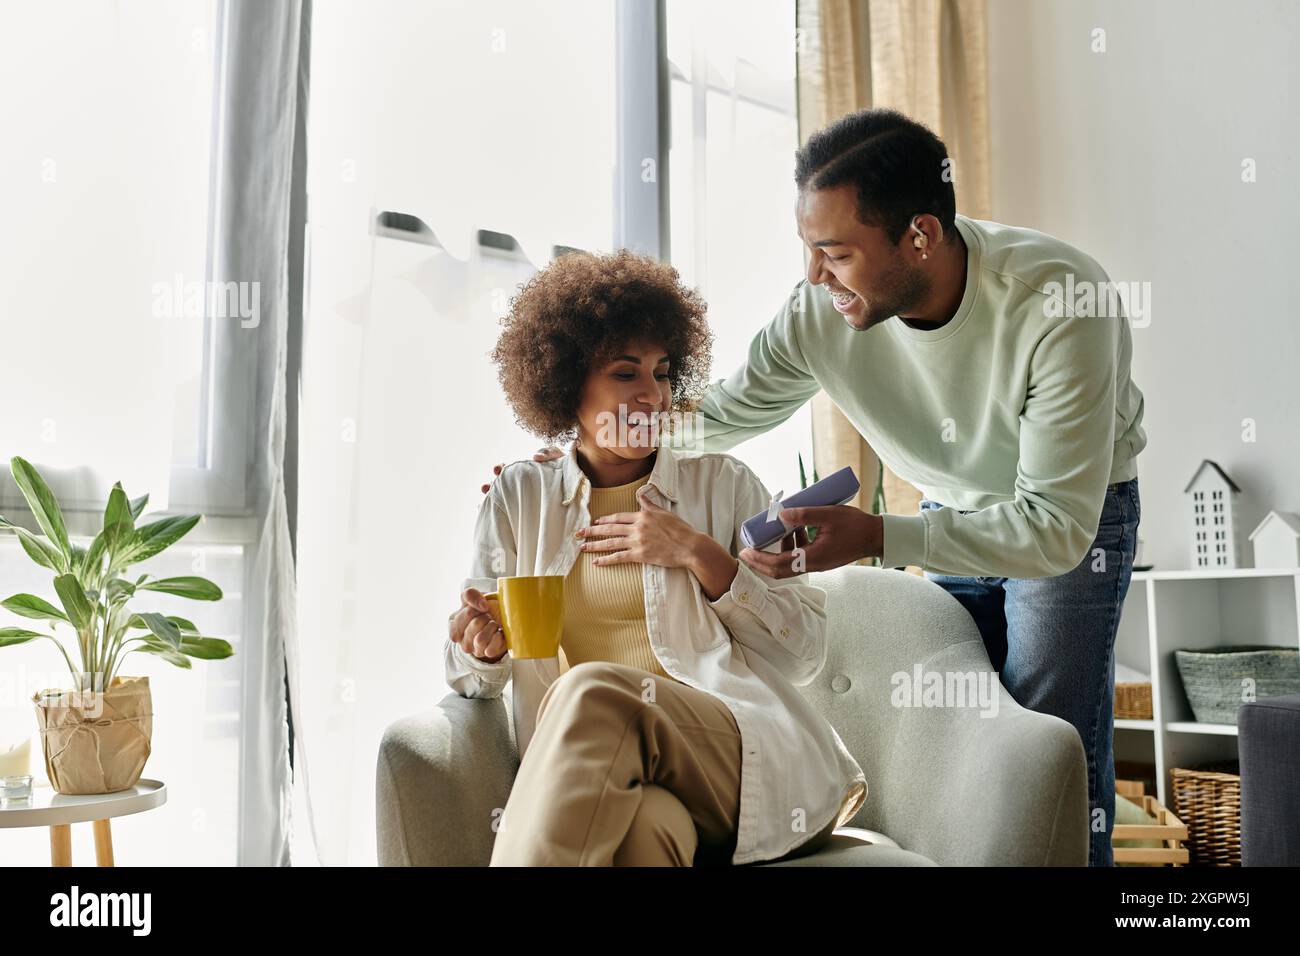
(925, 58)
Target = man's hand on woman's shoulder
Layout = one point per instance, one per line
(542, 454)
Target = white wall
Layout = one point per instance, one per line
(1135, 156)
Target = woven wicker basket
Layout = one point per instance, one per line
(1208, 799)
(1133, 701)
(1214, 677)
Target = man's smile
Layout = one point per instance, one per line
(843, 301)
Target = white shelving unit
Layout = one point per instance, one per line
(1189, 610)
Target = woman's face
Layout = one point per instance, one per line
(624, 401)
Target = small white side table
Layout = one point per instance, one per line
(58, 811)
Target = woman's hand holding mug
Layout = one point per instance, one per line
(475, 629)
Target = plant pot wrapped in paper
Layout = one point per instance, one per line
(97, 735)
(96, 741)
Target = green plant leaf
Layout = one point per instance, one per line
(161, 627)
(92, 565)
(38, 549)
(137, 506)
(118, 587)
(119, 525)
(41, 551)
(198, 589)
(29, 605)
(184, 626)
(149, 539)
(10, 636)
(169, 654)
(206, 648)
(73, 597)
(45, 507)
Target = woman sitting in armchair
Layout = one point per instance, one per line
(676, 735)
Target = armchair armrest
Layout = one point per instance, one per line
(442, 778)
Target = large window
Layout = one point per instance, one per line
(105, 247)
(105, 180)
(451, 147)
(734, 129)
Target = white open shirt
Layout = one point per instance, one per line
(750, 648)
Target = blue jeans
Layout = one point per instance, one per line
(1052, 642)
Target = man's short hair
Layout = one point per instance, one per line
(899, 168)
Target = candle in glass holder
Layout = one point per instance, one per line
(16, 759)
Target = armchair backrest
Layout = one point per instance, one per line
(942, 780)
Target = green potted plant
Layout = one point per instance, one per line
(96, 736)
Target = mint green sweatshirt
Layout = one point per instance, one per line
(1020, 409)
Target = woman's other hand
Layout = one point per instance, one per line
(655, 535)
(652, 535)
(475, 629)
(542, 454)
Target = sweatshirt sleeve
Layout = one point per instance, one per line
(769, 387)
(781, 619)
(1067, 429)
(494, 555)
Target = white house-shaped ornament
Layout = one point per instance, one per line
(1277, 540)
(1212, 497)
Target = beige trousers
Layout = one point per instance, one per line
(626, 769)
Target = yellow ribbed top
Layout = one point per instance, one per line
(604, 605)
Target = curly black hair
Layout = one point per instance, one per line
(577, 314)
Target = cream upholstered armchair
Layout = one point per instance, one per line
(946, 785)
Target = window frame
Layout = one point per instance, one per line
(641, 125)
(216, 484)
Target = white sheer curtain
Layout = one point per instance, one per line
(149, 157)
(261, 159)
(496, 116)
(732, 192)
(493, 116)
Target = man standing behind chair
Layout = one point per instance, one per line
(954, 348)
(986, 364)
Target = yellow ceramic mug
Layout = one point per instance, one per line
(531, 612)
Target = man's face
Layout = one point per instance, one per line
(870, 279)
